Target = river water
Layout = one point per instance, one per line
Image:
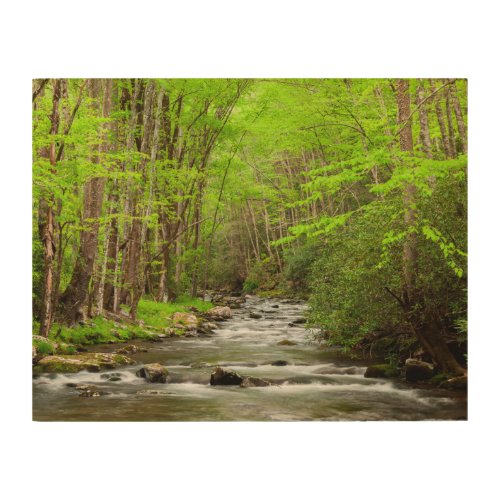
(315, 384)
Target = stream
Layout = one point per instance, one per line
(315, 383)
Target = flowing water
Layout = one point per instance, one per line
(315, 384)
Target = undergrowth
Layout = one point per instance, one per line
(99, 330)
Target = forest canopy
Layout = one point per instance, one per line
(350, 193)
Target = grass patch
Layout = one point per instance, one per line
(96, 331)
(43, 347)
(156, 316)
(273, 294)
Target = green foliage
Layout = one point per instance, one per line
(44, 348)
(249, 285)
(298, 263)
(302, 185)
(348, 290)
(157, 314)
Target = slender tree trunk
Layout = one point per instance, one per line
(112, 250)
(136, 236)
(425, 136)
(442, 125)
(462, 129)
(449, 118)
(197, 222)
(47, 227)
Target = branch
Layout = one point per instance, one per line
(423, 101)
(36, 93)
(401, 303)
(71, 119)
(335, 124)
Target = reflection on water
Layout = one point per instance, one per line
(315, 384)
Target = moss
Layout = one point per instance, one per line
(286, 342)
(439, 378)
(58, 367)
(381, 371)
(272, 294)
(92, 362)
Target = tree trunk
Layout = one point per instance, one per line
(449, 118)
(426, 330)
(136, 236)
(47, 226)
(425, 136)
(462, 129)
(448, 152)
(74, 297)
(112, 251)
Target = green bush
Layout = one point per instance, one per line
(44, 348)
(250, 285)
(298, 264)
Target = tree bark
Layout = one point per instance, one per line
(425, 136)
(448, 152)
(462, 129)
(135, 245)
(422, 320)
(47, 226)
(449, 118)
(73, 299)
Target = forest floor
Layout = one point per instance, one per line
(153, 319)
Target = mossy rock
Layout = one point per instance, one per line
(286, 342)
(455, 383)
(381, 371)
(153, 372)
(92, 362)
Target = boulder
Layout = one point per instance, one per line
(299, 321)
(154, 373)
(416, 370)
(92, 362)
(89, 391)
(111, 377)
(286, 342)
(275, 306)
(279, 362)
(219, 313)
(233, 300)
(255, 315)
(206, 328)
(185, 320)
(169, 332)
(455, 383)
(130, 349)
(225, 377)
(381, 371)
(255, 382)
